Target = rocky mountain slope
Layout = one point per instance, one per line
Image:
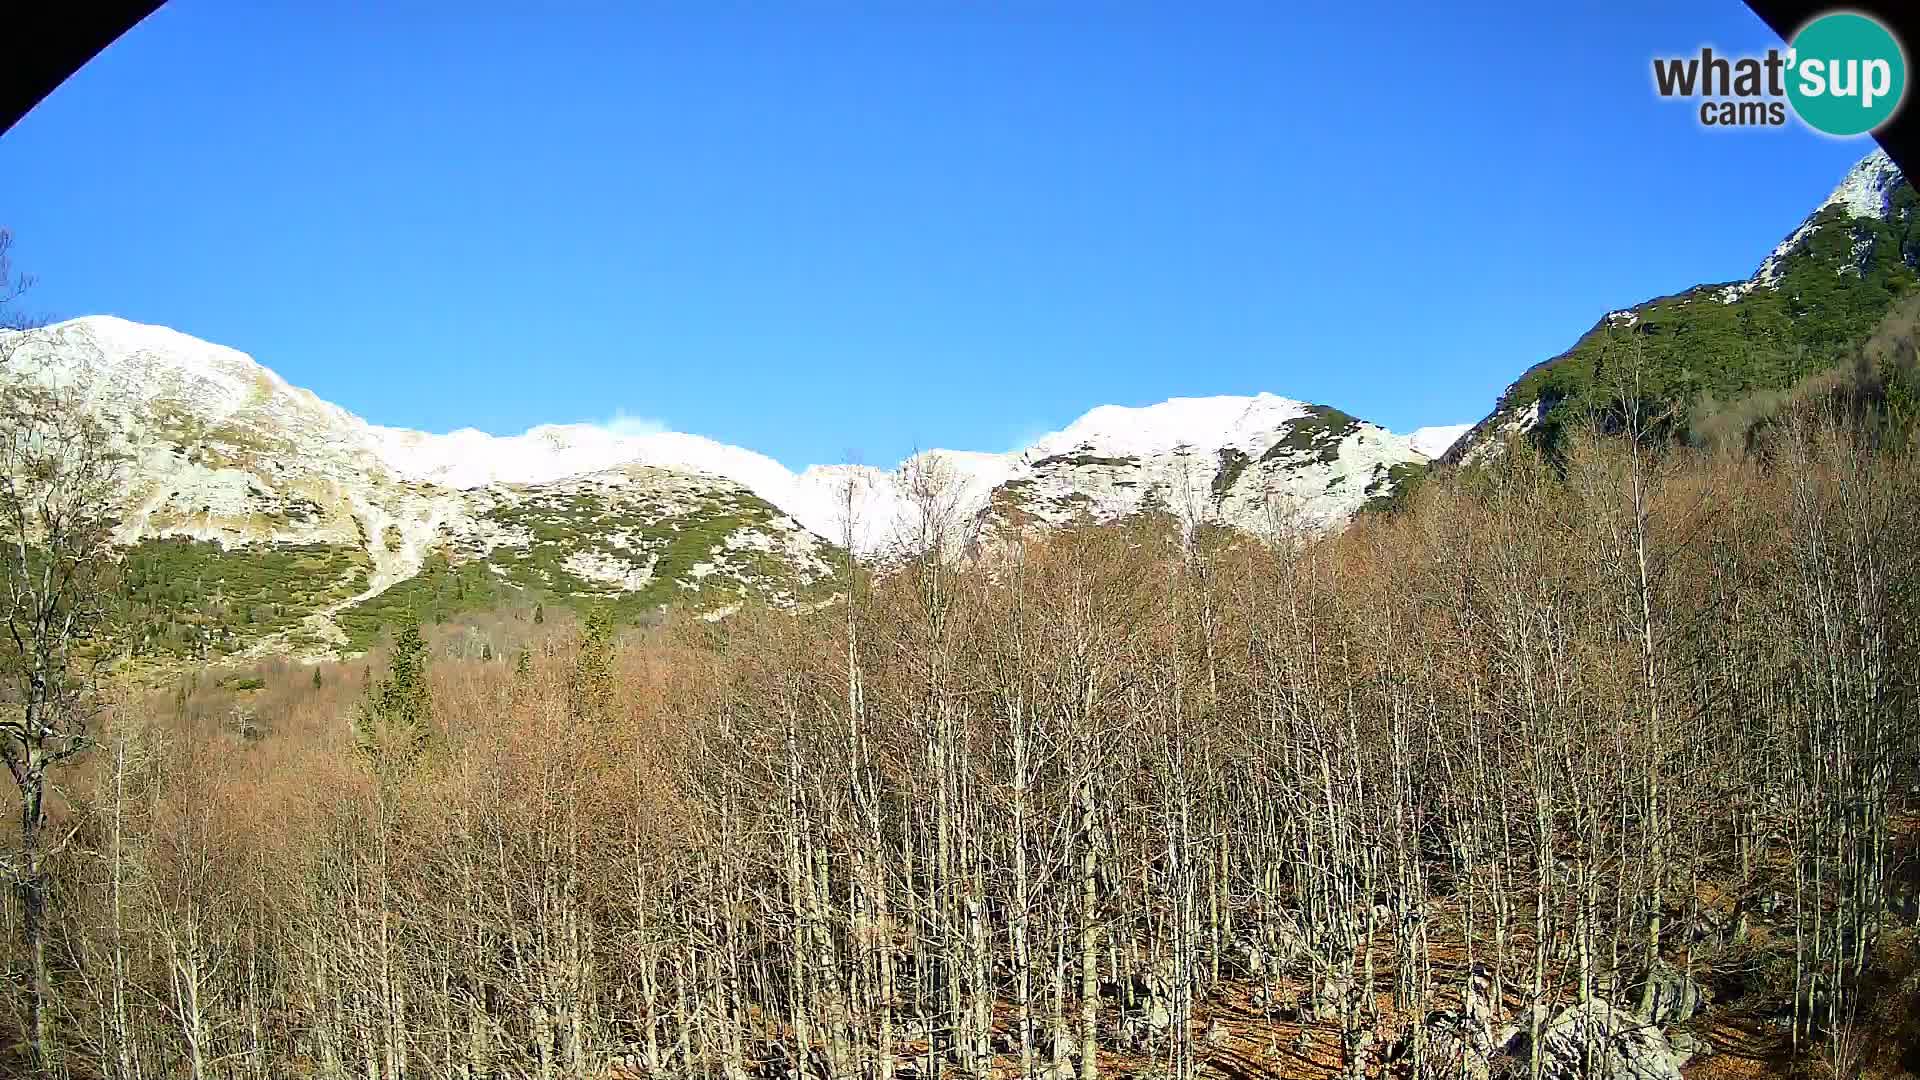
(1231, 459)
(260, 516)
(1808, 307)
(263, 517)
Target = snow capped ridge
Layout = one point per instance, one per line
(470, 458)
(121, 341)
(882, 502)
(1112, 461)
(1867, 189)
(1202, 423)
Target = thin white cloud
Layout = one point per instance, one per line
(627, 425)
(1028, 435)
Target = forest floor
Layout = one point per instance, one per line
(1235, 1038)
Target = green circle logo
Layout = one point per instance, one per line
(1847, 74)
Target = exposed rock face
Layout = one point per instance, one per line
(1596, 1041)
(1327, 997)
(1687, 1046)
(1676, 996)
(1256, 463)
(1457, 1046)
(226, 452)
(1458, 1043)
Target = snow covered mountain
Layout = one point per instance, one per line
(1112, 462)
(1814, 298)
(231, 462)
(236, 476)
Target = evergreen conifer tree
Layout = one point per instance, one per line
(592, 688)
(395, 718)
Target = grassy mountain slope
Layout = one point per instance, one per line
(1811, 306)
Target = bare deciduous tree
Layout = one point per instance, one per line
(61, 479)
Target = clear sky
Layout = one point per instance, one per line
(845, 230)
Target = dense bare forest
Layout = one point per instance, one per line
(1539, 775)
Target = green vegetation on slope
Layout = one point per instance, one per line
(665, 540)
(185, 598)
(1392, 487)
(1319, 434)
(1692, 350)
(672, 539)
(439, 591)
(1086, 459)
(1233, 462)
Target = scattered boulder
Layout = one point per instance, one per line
(1477, 1002)
(1619, 1045)
(1273, 947)
(1457, 1048)
(1707, 924)
(773, 1061)
(1324, 1000)
(1512, 1038)
(1676, 995)
(1138, 1028)
(1687, 1046)
(1903, 894)
(1249, 958)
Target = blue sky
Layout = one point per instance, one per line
(842, 231)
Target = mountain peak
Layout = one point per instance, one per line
(1867, 189)
(218, 406)
(131, 349)
(1198, 423)
(1817, 296)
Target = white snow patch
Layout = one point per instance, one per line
(1436, 440)
(1205, 423)
(399, 476)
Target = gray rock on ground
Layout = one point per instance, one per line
(1687, 1046)
(1458, 1048)
(1618, 1044)
(1677, 996)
